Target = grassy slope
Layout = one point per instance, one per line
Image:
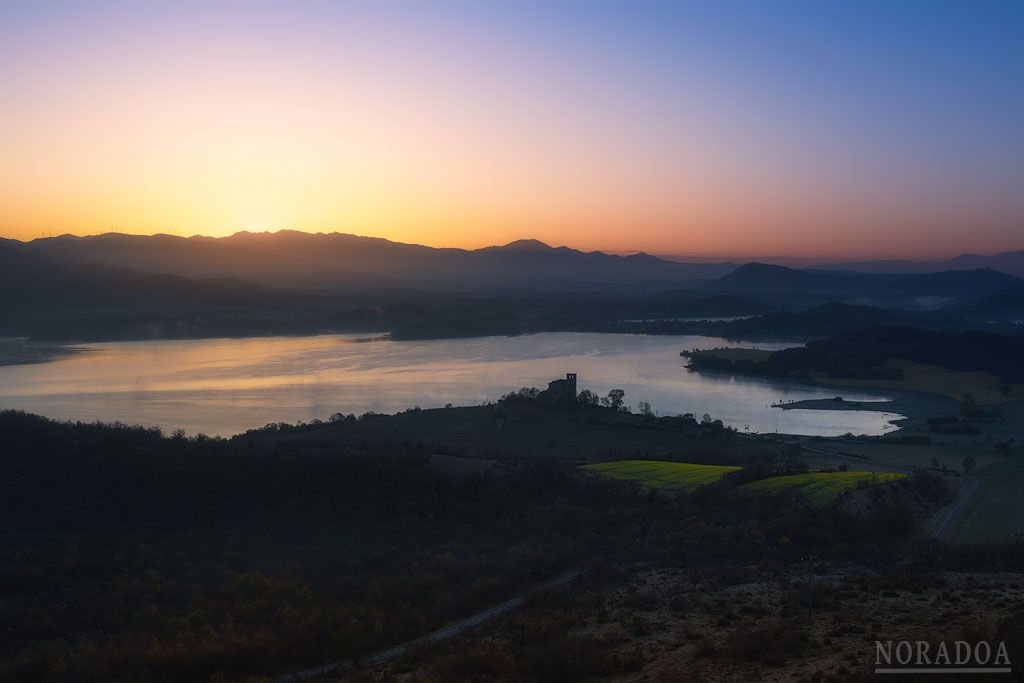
(821, 487)
(671, 476)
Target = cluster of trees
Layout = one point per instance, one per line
(862, 354)
(615, 400)
(969, 412)
(127, 555)
(799, 363)
(586, 398)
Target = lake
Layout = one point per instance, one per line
(225, 386)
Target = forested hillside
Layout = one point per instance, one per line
(130, 556)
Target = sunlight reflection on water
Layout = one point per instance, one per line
(225, 386)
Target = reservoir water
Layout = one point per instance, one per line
(225, 386)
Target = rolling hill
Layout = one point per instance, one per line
(925, 290)
(765, 277)
(335, 261)
(1011, 262)
(41, 285)
(1005, 305)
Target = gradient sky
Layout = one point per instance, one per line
(832, 129)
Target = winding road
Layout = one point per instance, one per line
(941, 528)
(446, 632)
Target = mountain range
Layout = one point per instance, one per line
(929, 290)
(117, 286)
(341, 262)
(1011, 262)
(335, 261)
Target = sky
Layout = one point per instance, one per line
(824, 129)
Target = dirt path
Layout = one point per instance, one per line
(446, 632)
(941, 528)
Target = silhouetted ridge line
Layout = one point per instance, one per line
(339, 262)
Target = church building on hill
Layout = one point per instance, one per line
(561, 390)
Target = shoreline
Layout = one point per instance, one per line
(913, 405)
(18, 352)
(911, 409)
(901, 406)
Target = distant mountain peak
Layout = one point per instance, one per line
(527, 245)
(758, 267)
(641, 256)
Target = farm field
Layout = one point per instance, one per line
(996, 510)
(936, 380)
(903, 456)
(819, 462)
(670, 476)
(821, 487)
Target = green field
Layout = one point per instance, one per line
(670, 476)
(821, 487)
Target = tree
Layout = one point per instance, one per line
(529, 393)
(645, 409)
(587, 398)
(615, 397)
(968, 406)
(969, 464)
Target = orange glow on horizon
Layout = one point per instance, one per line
(155, 121)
